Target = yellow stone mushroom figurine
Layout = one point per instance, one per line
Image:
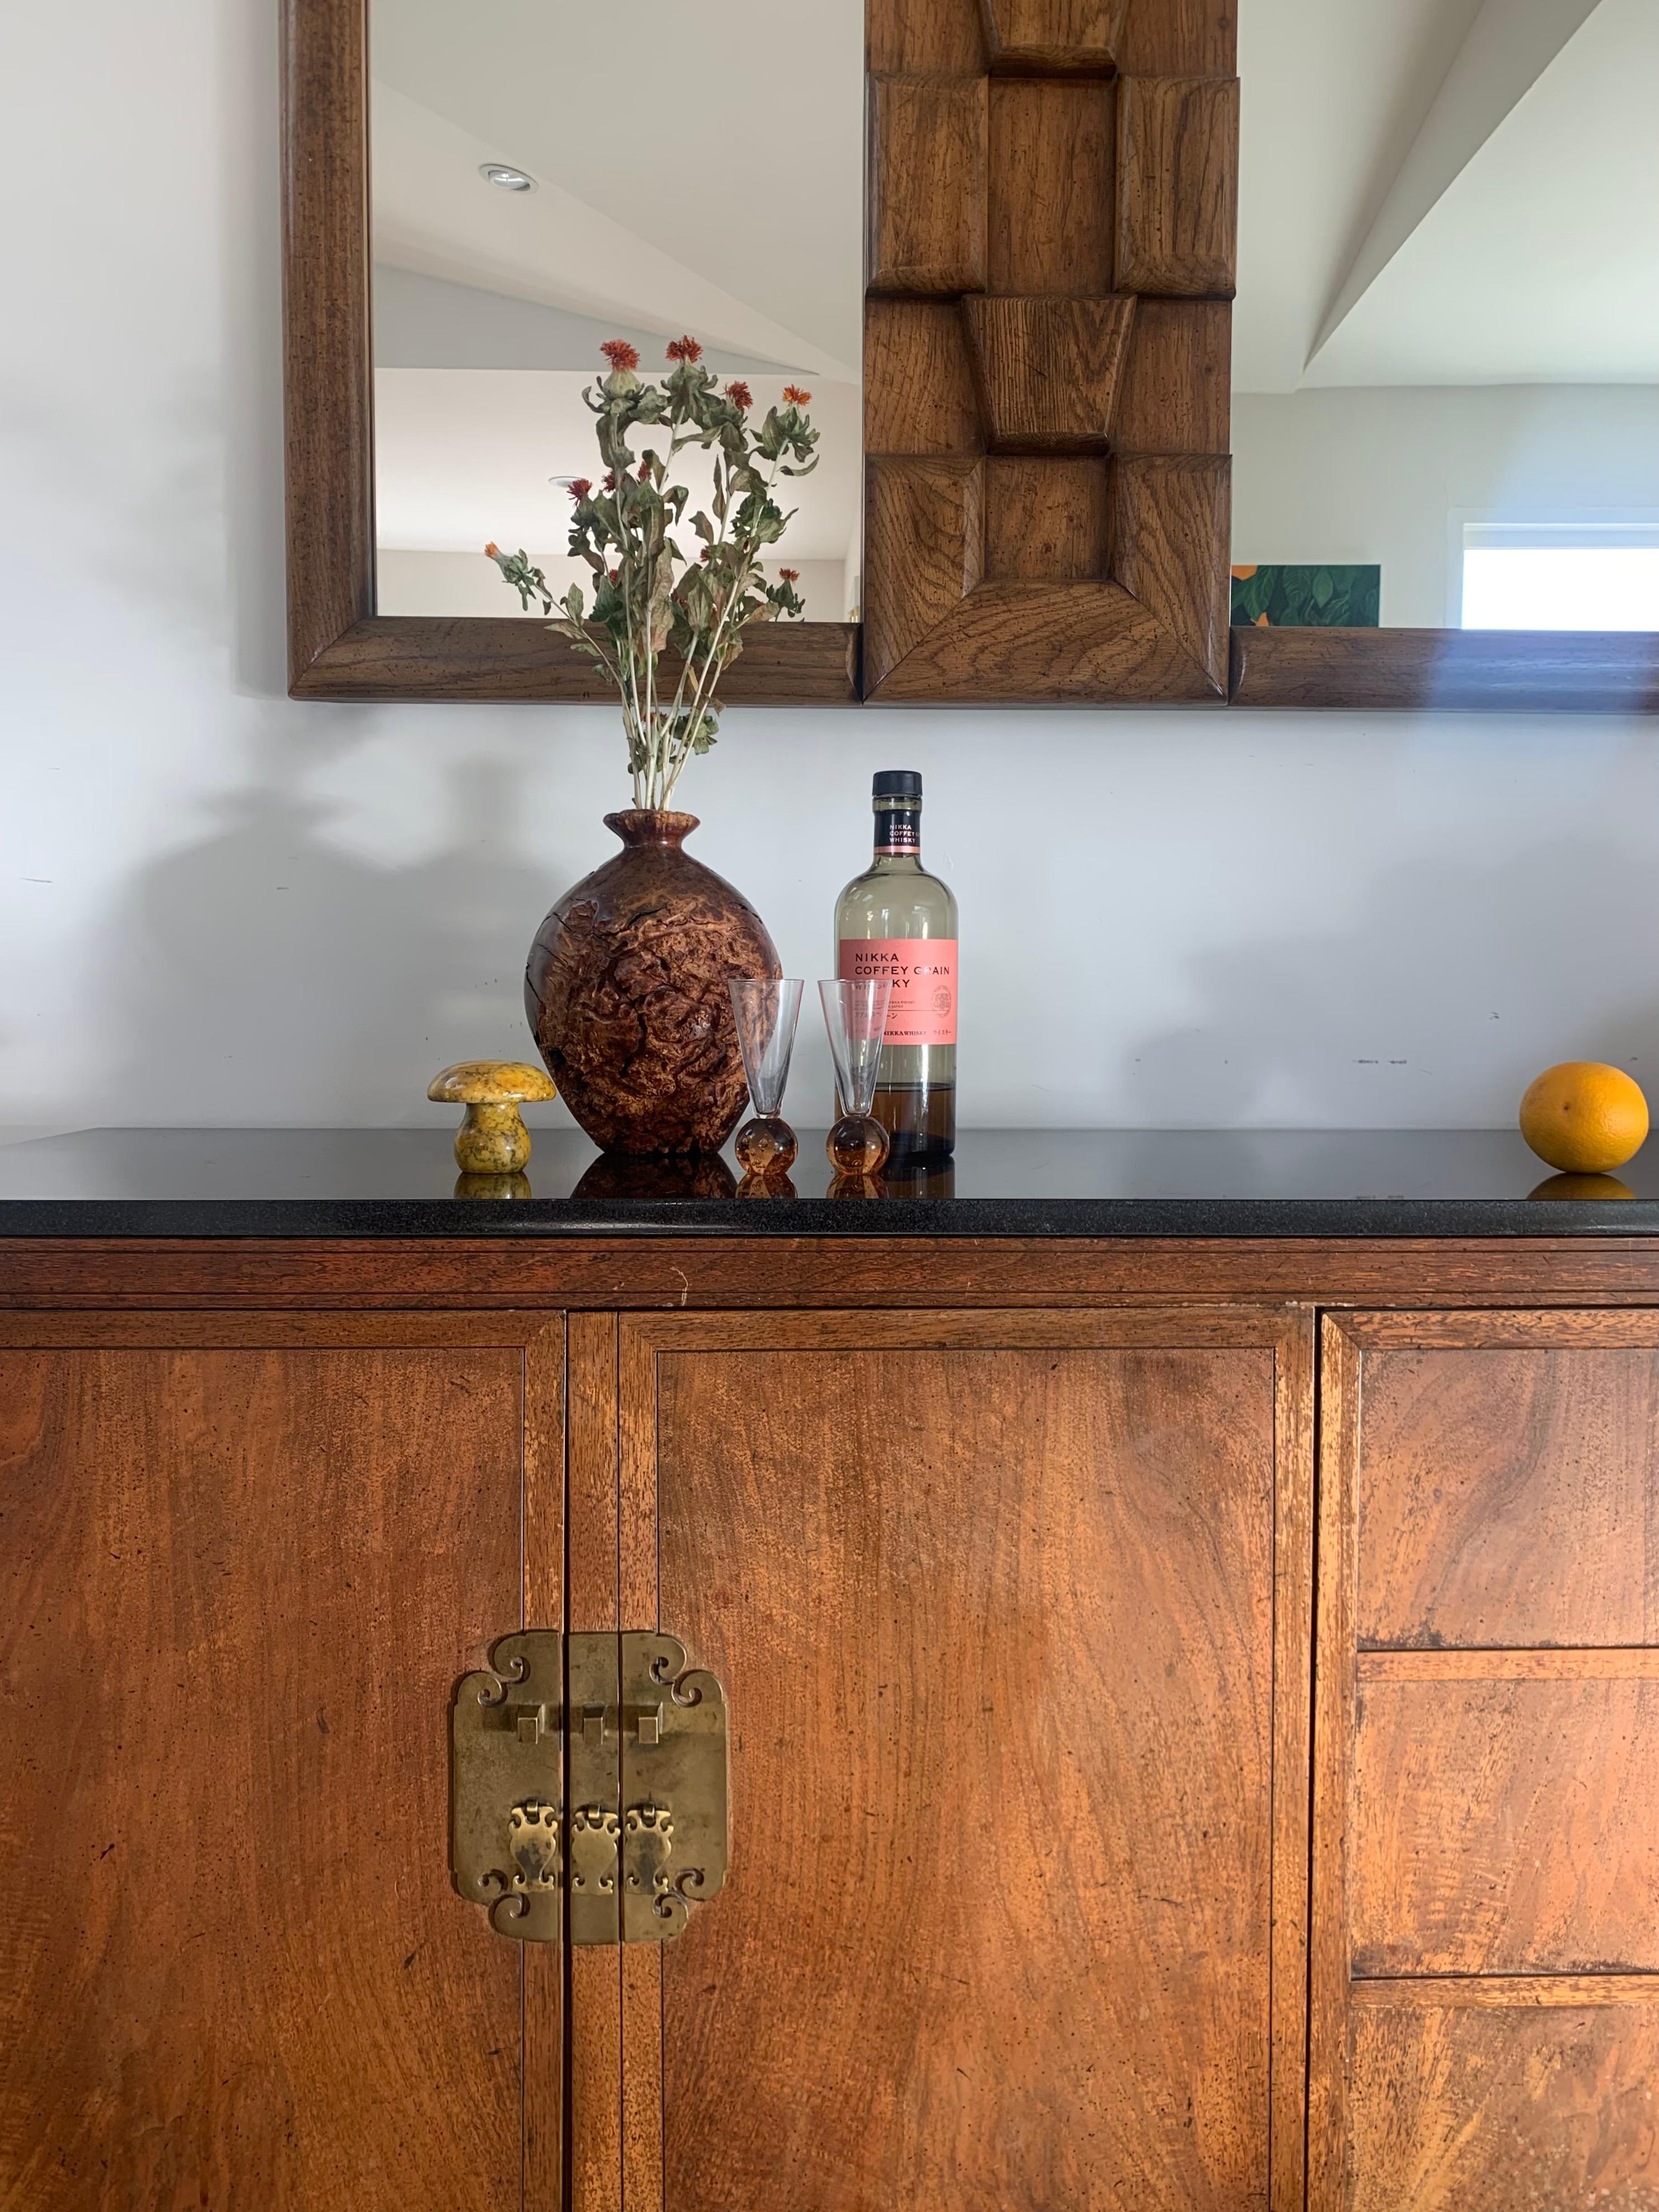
(492, 1139)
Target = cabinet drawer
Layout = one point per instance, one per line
(1509, 1495)
(1503, 2096)
(1507, 1826)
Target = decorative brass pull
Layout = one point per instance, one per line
(593, 1851)
(635, 1740)
(532, 1838)
(650, 1844)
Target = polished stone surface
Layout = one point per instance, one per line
(1005, 1182)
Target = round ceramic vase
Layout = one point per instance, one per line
(625, 991)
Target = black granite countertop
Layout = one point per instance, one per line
(1004, 1182)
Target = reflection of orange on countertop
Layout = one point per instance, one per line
(1244, 575)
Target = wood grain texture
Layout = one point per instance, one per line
(1171, 528)
(642, 2077)
(1511, 2110)
(545, 1546)
(1294, 1504)
(1179, 38)
(1505, 1992)
(1549, 1328)
(643, 2023)
(1483, 1819)
(1505, 1828)
(327, 392)
(1599, 1664)
(919, 37)
(1046, 519)
(1024, 643)
(919, 395)
(928, 185)
(1328, 1955)
(1017, 1662)
(924, 534)
(593, 2146)
(240, 1578)
(1177, 186)
(338, 648)
(1418, 670)
(287, 1277)
(1509, 1495)
(470, 658)
(1052, 165)
(1054, 34)
(1174, 390)
(1047, 371)
(957, 601)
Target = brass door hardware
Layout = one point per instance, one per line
(619, 1731)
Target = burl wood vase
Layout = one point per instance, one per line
(626, 993)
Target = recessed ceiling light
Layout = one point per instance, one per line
(510, 180)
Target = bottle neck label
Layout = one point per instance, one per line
(898, 829)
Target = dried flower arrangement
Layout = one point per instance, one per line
(647, 597)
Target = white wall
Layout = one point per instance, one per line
(216, 904)
(1391, 474)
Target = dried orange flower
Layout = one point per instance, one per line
(620, 353)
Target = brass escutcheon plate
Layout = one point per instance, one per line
(588, 1787)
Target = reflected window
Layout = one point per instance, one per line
(1561, 576)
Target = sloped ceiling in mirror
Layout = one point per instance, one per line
(653, 211)
(1448, 191)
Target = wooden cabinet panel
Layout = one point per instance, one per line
(1545, 2099)
(1510, 1495)
(1507, 1826)
(242, 1563)
(993, 1597)
(1487, 1820)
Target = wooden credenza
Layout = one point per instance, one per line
(1194, 1722)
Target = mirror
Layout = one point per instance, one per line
(546, 176)
(1446, 342)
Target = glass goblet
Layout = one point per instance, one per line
(765, 1009)
(855, 1015)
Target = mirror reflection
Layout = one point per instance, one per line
(1446, 340)
(546, 176)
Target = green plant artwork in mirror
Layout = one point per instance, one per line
(1305, 595)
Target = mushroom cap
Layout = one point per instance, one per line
(489, 1083)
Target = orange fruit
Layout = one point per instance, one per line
(1584, 1117)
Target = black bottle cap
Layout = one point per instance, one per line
(896, 783)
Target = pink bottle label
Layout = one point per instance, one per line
(923, 974)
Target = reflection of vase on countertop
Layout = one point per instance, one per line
(625, 990)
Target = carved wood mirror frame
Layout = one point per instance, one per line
(1051, 217)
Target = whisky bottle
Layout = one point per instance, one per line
(898, 922)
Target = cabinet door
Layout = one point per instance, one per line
(1485, 1972)
(993, 1598)
(243, 1561)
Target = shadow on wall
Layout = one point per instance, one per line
(264, 974)
(1436, 985)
